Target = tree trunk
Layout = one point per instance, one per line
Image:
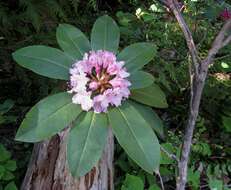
(196, 94)
(48, 169)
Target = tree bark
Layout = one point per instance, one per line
(196, 94)
(48, 169)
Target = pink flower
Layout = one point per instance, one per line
(119, 82)
(226, 14)
(100, 103)
(84, 99)
(99, 81)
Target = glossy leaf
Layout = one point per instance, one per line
(137, 55)
(72, 41)
(151, 96)
(140, 79)
(86, 142)
(43, 60)
(135, 136)
(48, 117)
(150, 117)
(105, 34)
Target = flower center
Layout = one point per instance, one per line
(102, 81)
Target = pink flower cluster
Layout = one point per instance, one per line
(98, 81)
(226, 14)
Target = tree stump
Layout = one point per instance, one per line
(48, 169)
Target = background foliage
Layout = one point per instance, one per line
(27, 22)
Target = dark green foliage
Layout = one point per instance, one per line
(28, 22)
(7, 169)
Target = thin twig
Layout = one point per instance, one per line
(187, 33)
(219, 42)
(172, 156)
(222, 57)
(226, 42)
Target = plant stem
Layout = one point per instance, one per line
(161, 180)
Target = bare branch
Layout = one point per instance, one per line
(187, 33)
(227, 41)
(219, 42)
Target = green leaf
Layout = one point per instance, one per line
(43, 60)
(215, 184)
(150, 117)
(226, 123)
(5, 154)
(137, 55)
(193, 178)
(86, 142)
(154, 187)
(6, 106)
(7, 176)
(10, 186)
(135, 136)
(48, 117)
(140, 79)
(2, 171)
(72, 41)
(105, 34)
(10, 165)
(151, 96)
(132, 183)
(164, 157)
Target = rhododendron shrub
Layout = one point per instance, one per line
(106, 88)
